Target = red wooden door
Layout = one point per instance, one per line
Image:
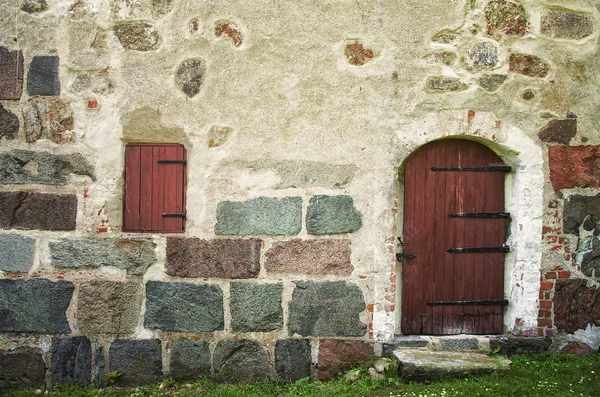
(154, 188)
(454, 210)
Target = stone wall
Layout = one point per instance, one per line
(296, 131)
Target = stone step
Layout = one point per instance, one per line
(443, 343)
(422, 364)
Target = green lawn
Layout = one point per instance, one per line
(557, 375)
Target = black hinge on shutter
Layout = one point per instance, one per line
(504, 248)
(489, 168)
(172, 162)
(480, 215)
(486, 302)
(177, 215)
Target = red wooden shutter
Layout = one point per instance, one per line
(154, 188)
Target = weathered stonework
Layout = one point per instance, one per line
(43, 168)
(48, 119)
(528, 65)
(240, 360)
(42, 77)
(293, 359)
(559, 131)
(44, 211)
(491, 82)
(508, 346)
(577, 349)
(190, 359)
(37, 305)
(328, 256)
(256, 307)
(190, 76)
(481, 55)
(445, 84)
(225, 28)
(357, 54)
(109, 307)
(138, 361)
(561, 24)
(574, 166)
(338, 355)
(326, 309)
(34, 6)
(218, 136)
(134, 256)
(16, 253)
(9, 123)
(224, 258)
(260, 216)
(332, 215)
(160, 8)
(71, 361)
(23, 368)
(581, 210)
(183, 307)
(505, 17)
(588, 252)
(97, 82)
(575, 305)
(11, 74)
(137, 35)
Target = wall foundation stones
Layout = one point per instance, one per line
(23, 367)
(293, 359)
(240, 360)
(574, 166)
(332, 215)
(72, 361)
(43, 211)
(337, 355)
(16, 253)
(575, 305)
(260, 216)
(37, 305)
(190, 359)
(330, 256)
(256, 307)
(138, 361)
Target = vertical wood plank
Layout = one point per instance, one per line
(146, 186)
(132, 188)
(156, 190)
(170, 186)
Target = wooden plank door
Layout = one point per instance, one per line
(454, 223)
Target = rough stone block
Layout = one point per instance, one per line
(134, 256)
(22, 368)
(43, 211)
(293, 359)
(574, 166)
(459, 344)
(481, 55)
(230, 30)
(190, 76)
(34, 6)
(42, 77)
(588, 253)
(528, 65)
(491, 82)
(332, 215)
(99, 365)
(72, 361)
(326, 309)
(184, 307)
(559, 131)
(575, 305)
(577, 349)
(326, 256)
(109, 307)
(505, 17)
(11, 74)
(48, 118)
(9, 124)
(97, 82)
(190, 359)
(138, 361)
(239, 360)
(256, 307)
(445, 84)
(561, 24)
(262, 215)
(137, 35)
(508, 346)
(43, 168)
(338, 355)
(37, 305)
(16, 253)
(579, 210)
(224, 258)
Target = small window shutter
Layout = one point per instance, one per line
(154, 188)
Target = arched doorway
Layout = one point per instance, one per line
(455, 226)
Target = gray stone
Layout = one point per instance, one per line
(9, 124)
(109, 307)
(256, 307)
(99, 365)
(260, 216)
(160, 8)
(11, 74)
(445, 84)
(459, 344)
(42, 168)
(137, 35)
(190, 76)
(560, 24)
(323, 256)
(97, 82)
(134, 256)
(445, 37)
(326, 309)
(42, 77)
(138, 361)
(588, 256)
(491, 82)
(184, 307)
(506, 17)
(43, 211)
(423, 365)
(190, 359)
(224, 258)
(481, 55)
(22, 368)
(293, 359)
(332, 215)
(37, 305)
(48, 118)
(34, 6)
(16, 253)
(511, 345)
(577, 208)
(410, 341)
(72, 361)
(239, 360)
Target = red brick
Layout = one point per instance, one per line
(574, 166)
(546, 285)
(92, 104)
(564, 274)
(545, 304)
(370, 308)
(544, 322)
(544, 313)
(550, 275)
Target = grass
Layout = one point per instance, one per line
(544, 375)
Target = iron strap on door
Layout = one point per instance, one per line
(172, 162)
(489, 168)
(486, 302)
(504, 248)
(480, 215)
